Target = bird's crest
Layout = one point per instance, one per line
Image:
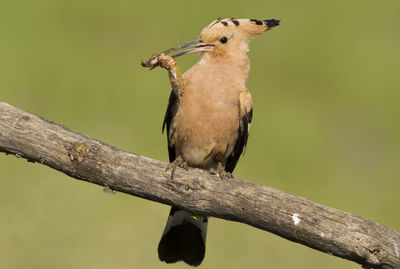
(250, 27)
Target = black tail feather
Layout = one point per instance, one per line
(183, 242)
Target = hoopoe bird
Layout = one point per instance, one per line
(208, 119)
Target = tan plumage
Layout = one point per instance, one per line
(208, 119)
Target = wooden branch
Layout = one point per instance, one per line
(294, 218)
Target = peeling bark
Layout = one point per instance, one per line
(295, 218)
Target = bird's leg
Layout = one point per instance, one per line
(168, 63)
(178, 162)
(220, 171)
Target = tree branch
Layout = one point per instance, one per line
(294, 218)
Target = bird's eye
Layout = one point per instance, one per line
(223, 40)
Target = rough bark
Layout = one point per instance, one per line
(294, 218)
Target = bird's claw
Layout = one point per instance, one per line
(179, 162)
(221, 172)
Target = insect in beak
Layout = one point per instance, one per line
(192, 46)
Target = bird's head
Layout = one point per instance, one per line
(227, 38)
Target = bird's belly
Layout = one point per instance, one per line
(207, 136)
(198, 157)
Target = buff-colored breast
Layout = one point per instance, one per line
(207, 121)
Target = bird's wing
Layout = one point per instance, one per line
(169, 115)
(245, 116)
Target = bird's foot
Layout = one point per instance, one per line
(220, 170)
(178, 162)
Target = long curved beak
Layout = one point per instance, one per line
(193, 46)
(196, 46)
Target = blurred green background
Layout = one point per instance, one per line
(326, 96)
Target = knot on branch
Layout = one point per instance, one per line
(78, 152)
